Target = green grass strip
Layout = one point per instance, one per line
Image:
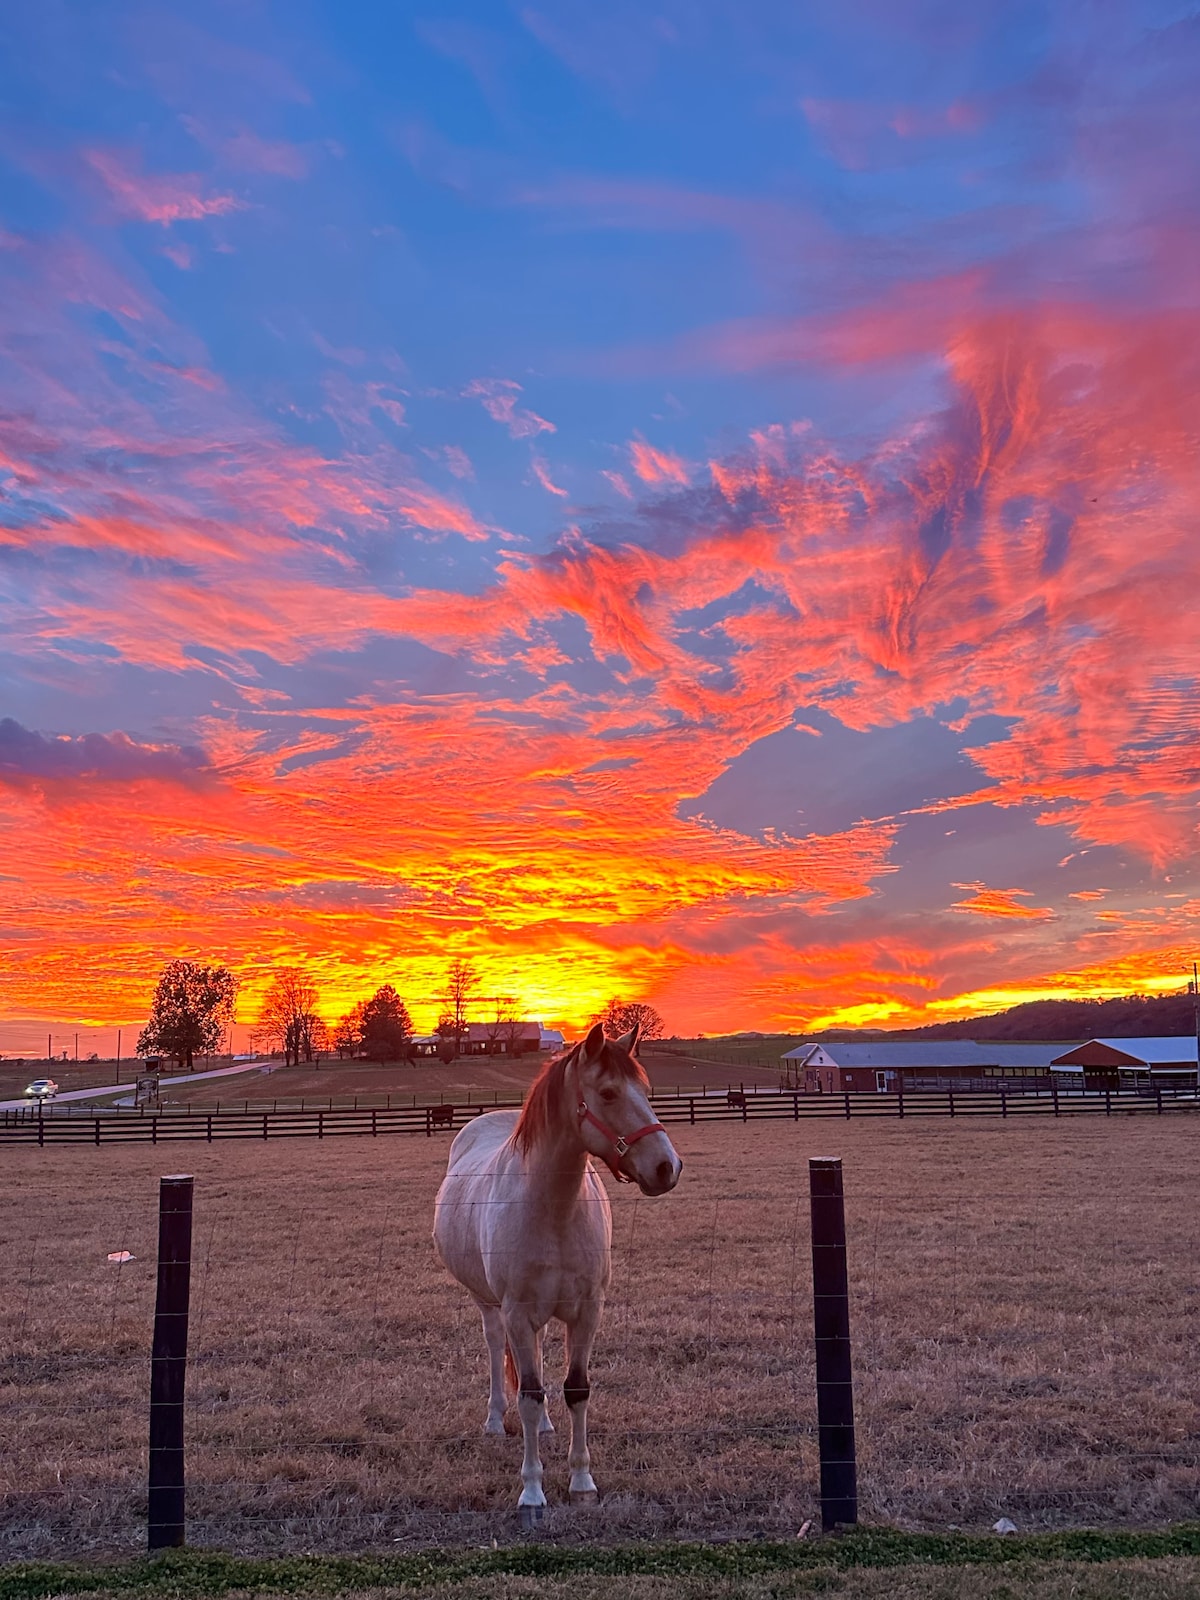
(182, 1575)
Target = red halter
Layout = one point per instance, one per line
(619, 1141)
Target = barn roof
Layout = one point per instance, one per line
(883, 1053)
(1164, 1051)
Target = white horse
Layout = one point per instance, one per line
(523, 1222)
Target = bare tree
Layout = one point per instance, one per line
(348, 1034)
(500, 1029)
(288, 1015)
(619, 1016)
(462, 980)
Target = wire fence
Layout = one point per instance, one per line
(1023, 1311)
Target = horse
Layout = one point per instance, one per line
(523, 1222)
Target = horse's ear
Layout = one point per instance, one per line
(593, 1045)
(629, 1041)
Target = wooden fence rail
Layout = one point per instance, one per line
(162, 1127)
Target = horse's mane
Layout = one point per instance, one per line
(543, 1103)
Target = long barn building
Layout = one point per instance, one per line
(902, 1064)
(919, 1064)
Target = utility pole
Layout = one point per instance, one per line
(1196, 1014)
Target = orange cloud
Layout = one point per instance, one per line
(985, 902)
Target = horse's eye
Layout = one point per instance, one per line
(608, 1096)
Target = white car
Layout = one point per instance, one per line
(42, 1089)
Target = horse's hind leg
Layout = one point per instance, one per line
(493, 1332)
(576, 1390)
(531, 1402)
(545, 1425)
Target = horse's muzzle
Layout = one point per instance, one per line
(663, 1179)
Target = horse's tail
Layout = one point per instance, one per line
(511, 1388)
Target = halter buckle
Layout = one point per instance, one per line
(620, 1146)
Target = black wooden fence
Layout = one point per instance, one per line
(161, 1127)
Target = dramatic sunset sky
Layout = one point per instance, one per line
(696, 500)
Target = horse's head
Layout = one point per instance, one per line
(616, 1122)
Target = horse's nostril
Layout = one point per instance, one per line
(666, 1172)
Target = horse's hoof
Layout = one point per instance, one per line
(585, 1497)
(494, 1425)
(531, 1516)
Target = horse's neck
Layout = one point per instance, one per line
(555, 1170)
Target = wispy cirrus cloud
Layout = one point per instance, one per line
(861, 133)
(164, 197)
(656, 466)
(498, 397)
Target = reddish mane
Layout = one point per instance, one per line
(543, 1103)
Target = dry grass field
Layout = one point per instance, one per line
(469, 1078)
(1025, 1317)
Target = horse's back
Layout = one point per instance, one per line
(481, 1139)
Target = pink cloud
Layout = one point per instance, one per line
(862, 133)
(247, 152)
(158, 197)
(656, 466)
(911, 319)
(541, 471)
(458, 462)
(498, 396)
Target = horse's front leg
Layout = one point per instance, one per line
(576, 1390)
(531, 1403)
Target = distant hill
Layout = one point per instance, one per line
(1131, 1016)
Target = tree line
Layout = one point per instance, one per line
(193, 1008)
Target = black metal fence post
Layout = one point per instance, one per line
(831, 1318)
(168, 1363)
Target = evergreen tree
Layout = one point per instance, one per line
(386, 1025)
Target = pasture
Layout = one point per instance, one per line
(469, 1077)
(1024, 1311)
